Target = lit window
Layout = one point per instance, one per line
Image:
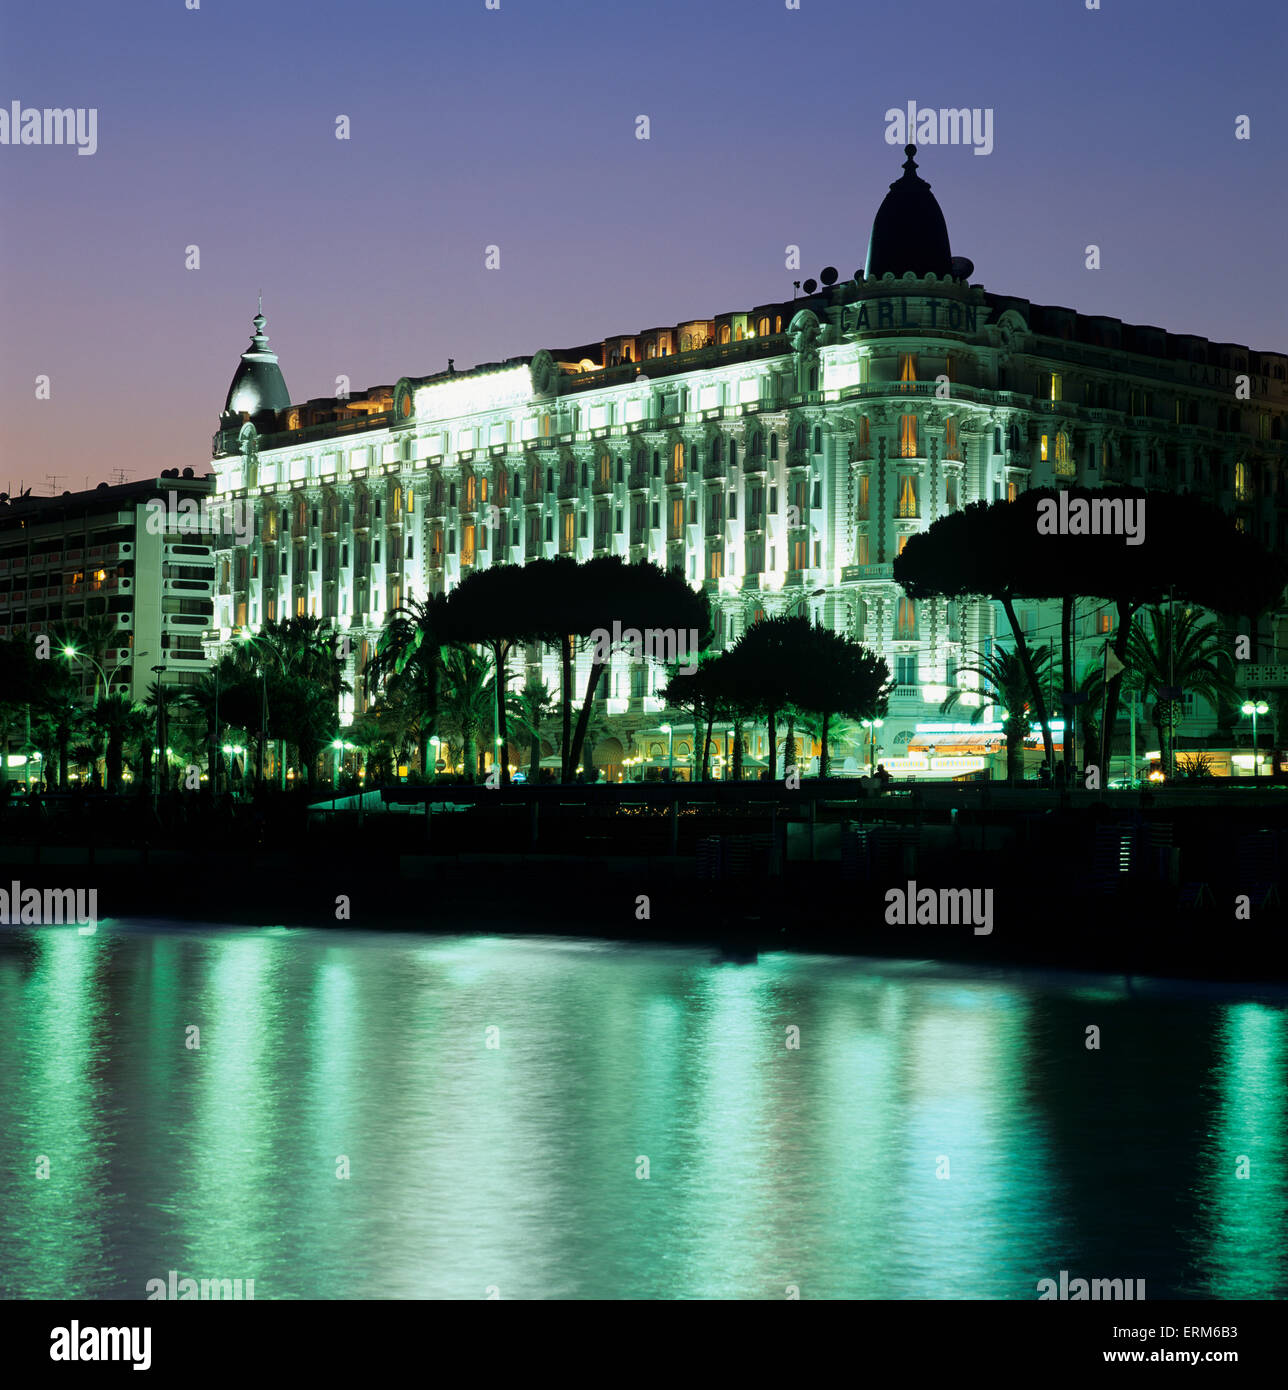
(907, 436)
(677, 459)
(950, 438)
(907, 626)
(1044, 448)
(1242, 483)
(907, 368)
(1012, 491)
(907, 495)
(737, 334)
(763, 328)
(1063, 456)
(724, 332)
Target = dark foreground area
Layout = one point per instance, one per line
(1188, 887)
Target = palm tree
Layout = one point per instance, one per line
(466, 700)
(1182, 649)
(409, 659)
(120, 721)
(529, 710)
(1003, 682)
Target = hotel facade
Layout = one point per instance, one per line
(779, 455)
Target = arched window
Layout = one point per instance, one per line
(762, 328)
(799, 438)
(737, 334)
(757, 445)
(865, 432)
(778, 323)
(684, 342)
(1064, 465)
(724, 332)
(907, 436)
(650, 350)
(950, 438)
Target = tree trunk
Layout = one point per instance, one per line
(567, 763)
(1126, 614)
(824, 758)
(583, 714)
(1070, 710)
(789, 748)
(534, 757)
(736, 755)
(1035, 687)
(500, 654)
(773, 744)
(706, 745)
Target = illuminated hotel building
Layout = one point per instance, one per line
(771, 453)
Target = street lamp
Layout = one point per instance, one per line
(872, 725)
(1254, 708)
(158, 671)
(670, 752)
(805, 598)
(248, 640)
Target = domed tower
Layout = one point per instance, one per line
(909, 232)
(258, 388)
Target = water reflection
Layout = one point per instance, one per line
(344, 1129)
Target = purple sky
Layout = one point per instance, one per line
(517, 128)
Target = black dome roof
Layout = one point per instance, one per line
(909, 232)
(258, 384)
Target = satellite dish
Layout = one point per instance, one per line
(828, 275)
(962, 268)
(810, 286)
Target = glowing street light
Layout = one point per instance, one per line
(670, 752)
(872, 725)
(1254, 708)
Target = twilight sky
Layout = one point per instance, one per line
(516, 128)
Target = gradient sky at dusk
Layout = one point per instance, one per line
(517, 128)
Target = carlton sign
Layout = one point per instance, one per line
(905, 311)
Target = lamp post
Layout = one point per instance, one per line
(805, 598)
(670, 752)
(1254, 708)
(158, 671)
(249, 641)
(872, 725)
(70, 652)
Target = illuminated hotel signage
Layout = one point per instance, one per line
(468, 395)
(901, 311)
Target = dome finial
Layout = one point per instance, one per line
(910, 164)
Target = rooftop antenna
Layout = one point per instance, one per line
(53, 479)
(119, 476)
